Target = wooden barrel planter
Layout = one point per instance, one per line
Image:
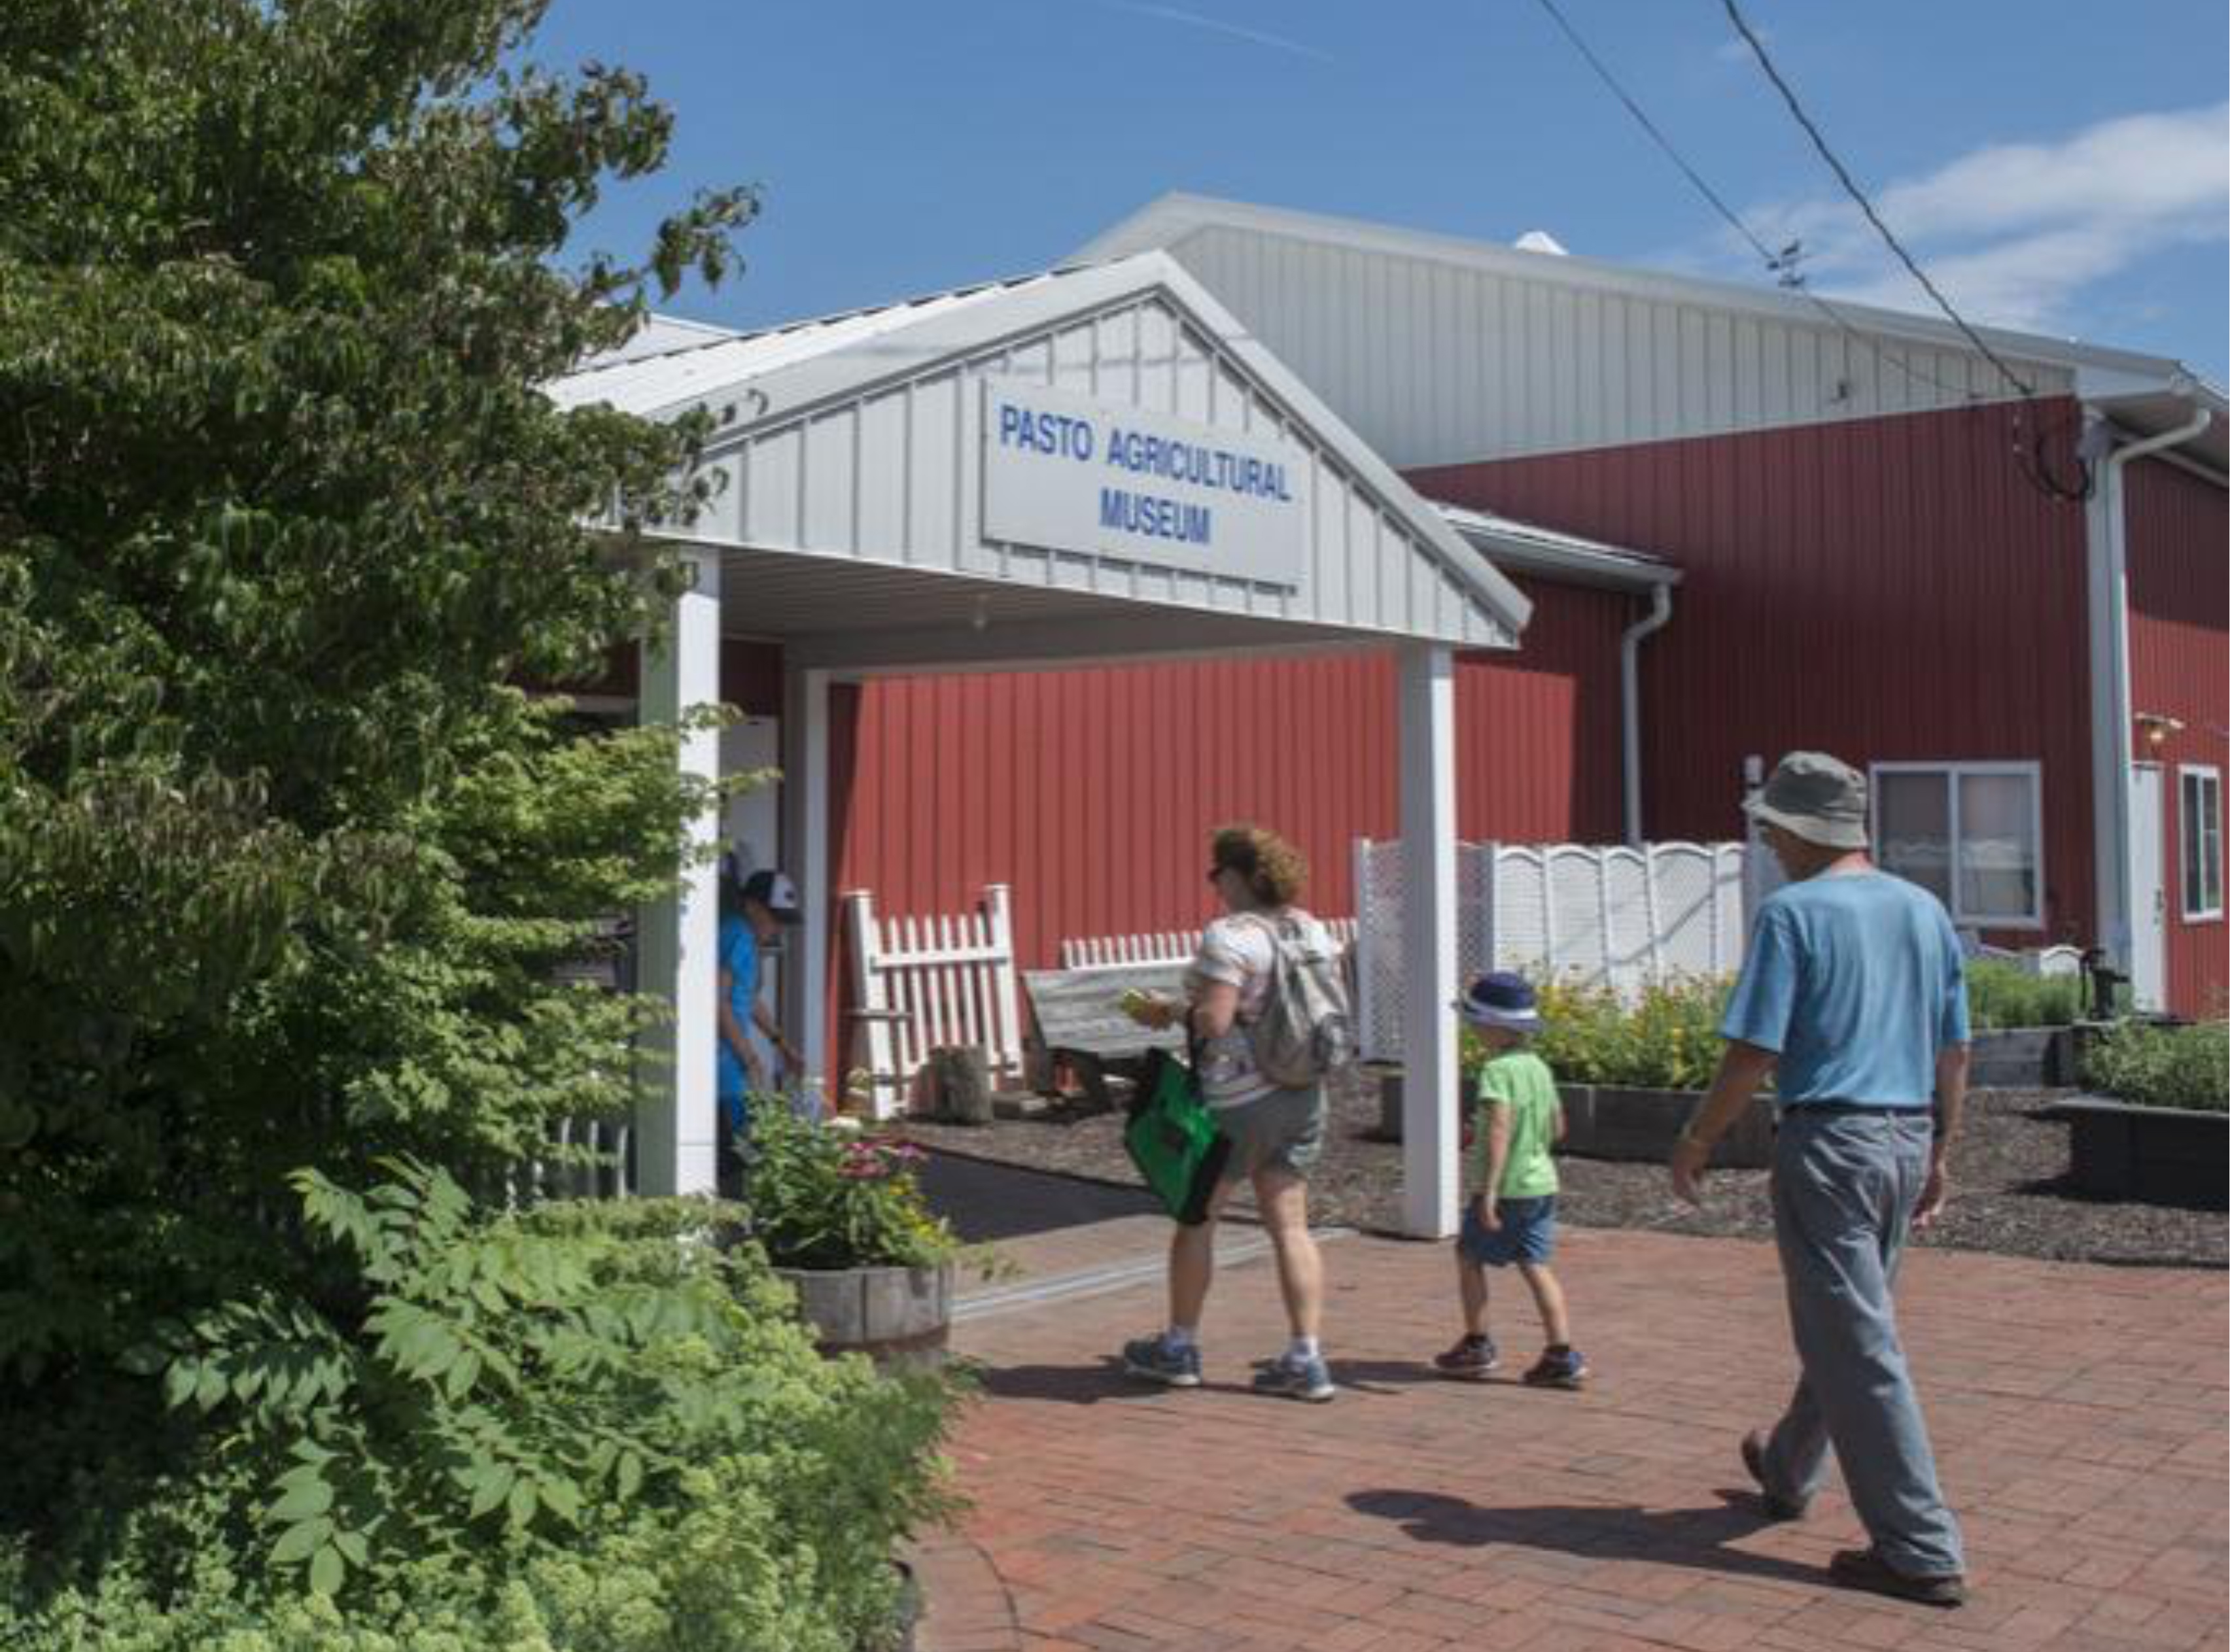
(897, 1316)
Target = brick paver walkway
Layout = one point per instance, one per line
(2080, 1412)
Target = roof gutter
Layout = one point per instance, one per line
(1629, 686)
(2112, 780)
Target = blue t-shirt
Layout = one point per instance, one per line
(739, 957)
(1856, 983)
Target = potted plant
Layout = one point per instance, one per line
(840, 1216)
(2157, 1124)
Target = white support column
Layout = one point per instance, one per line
(1431, 1143)
(677, 1138)
(806, 843)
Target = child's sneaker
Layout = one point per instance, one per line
(1296, 1376)
(1158, 1359)
(1473, 1357)
(1558, 1367)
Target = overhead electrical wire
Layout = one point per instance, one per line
(2039, 475)
(1783, 263)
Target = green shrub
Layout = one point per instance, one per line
(2157, 1066)
(1668, 1039)
(586, 1429)
(2001, 996)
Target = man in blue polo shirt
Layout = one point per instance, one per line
(1854, 997)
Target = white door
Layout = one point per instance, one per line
(2148, 894)
(753, 831)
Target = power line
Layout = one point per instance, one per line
(2029, 449)
(1850, 187)
(1641, 116)
(1782, 263)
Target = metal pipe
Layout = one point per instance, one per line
(2120, 938)
(1630, 686)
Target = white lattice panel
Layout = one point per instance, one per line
(1601, 915)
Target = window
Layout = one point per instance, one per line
(2199, 825)
(1971, 834)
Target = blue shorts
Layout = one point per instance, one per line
(1528, 1233)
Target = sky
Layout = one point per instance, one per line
(2058, 166)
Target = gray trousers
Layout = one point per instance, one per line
(1843, 1188)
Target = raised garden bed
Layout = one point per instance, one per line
(1619, 1122)
(2024, 1058)
(2168, 1155)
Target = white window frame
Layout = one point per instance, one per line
(2184, 826)
(1952, 774)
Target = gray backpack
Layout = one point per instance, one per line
(1305, 1032)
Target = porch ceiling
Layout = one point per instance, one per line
(862, 617)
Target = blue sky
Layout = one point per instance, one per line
(2057, 165)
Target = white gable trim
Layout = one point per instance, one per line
(757, 406)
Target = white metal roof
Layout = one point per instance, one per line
(1393, 326)
(671, 364)
(854, 439)
(1564, 557)
(1168, 218)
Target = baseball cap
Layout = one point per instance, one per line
(774, 891)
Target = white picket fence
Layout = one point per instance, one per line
(922, 983)
(1162, 946)
(1602, 914)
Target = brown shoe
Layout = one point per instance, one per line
(1864, 1569)
(1776, 1506)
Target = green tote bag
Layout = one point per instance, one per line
(1173, 1138)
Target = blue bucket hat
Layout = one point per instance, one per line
(1503, 999)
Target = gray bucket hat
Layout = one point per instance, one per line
(1818, 799)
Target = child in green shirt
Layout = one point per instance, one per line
(1513, 1218)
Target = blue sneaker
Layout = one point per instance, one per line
(1296, 1377)
(1558, 1367)
(1157, 1359)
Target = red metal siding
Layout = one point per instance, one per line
(1885, 589)
(2178, 534)
(1092, 792)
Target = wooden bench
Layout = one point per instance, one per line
(1076, 1017)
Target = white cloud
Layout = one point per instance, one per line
(2014, 233)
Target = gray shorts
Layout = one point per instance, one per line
(1283, 1130)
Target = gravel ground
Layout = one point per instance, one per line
(2008, 1184)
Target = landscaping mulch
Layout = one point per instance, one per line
(2009, 1194)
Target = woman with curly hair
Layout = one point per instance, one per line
(1275, 1133)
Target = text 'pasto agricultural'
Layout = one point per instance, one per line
(1141, 457)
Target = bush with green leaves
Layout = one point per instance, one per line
(2000, 996)
(287, 859)
(2186, 1067)
(592, 1426)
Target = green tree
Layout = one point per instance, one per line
(286, 858)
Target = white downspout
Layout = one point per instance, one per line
(2119, 936)
(1629, 687)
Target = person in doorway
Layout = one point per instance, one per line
(1853, 996)
(1275, 1133)
(1513, 1219)
(752, 913)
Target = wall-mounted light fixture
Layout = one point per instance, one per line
(2156, 728)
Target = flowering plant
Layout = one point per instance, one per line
(1665, 1038)
(830, 1198)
